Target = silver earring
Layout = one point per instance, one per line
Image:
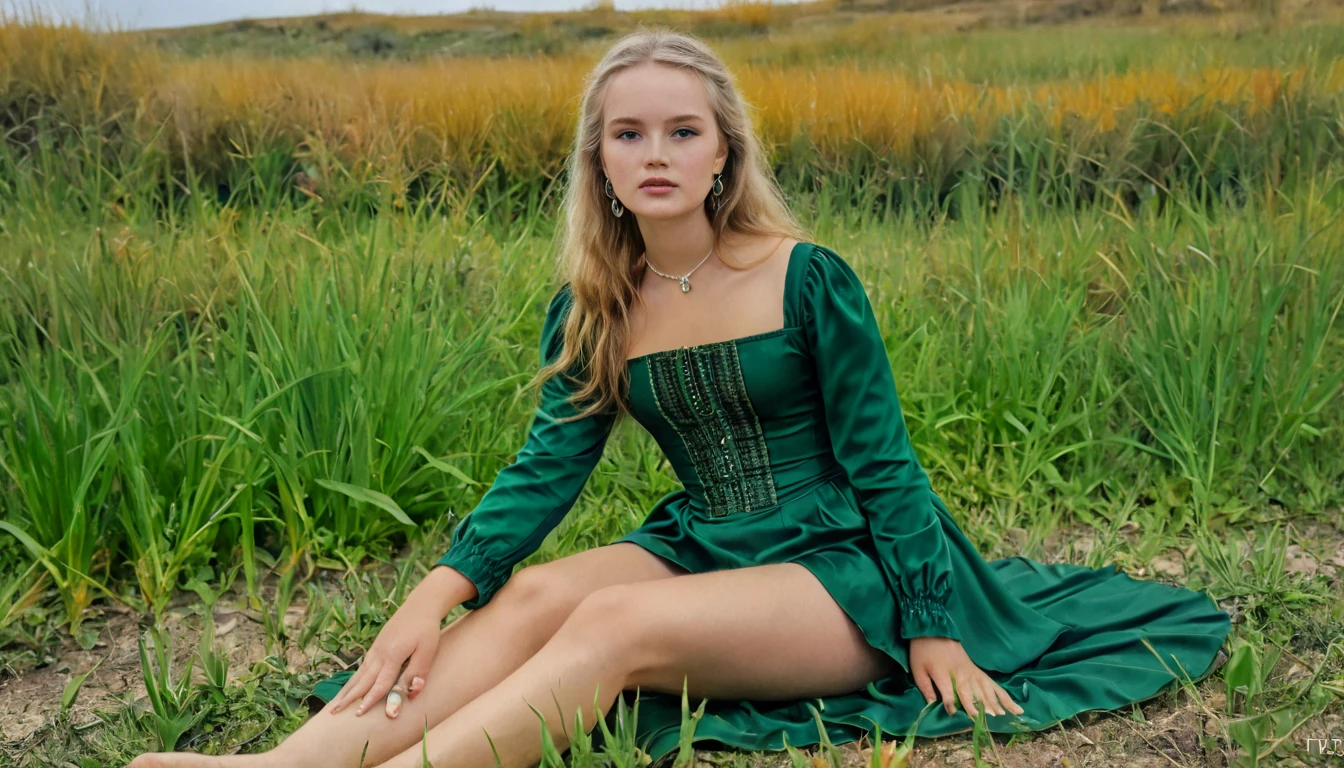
(616, 208)
(718, 192)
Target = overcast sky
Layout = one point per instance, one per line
(140, 14)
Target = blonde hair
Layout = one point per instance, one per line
(600, 253)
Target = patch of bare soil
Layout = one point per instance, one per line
(31, 698)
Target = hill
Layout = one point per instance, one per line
(483, 32)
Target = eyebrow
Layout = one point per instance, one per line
(637, 121)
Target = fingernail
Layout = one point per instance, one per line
(417, 684)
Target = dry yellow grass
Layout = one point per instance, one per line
(397, 118)
(518, 111)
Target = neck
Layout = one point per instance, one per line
(675, 247)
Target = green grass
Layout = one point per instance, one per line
(1134, 337)
(190, 398)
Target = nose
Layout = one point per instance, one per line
(655, 155)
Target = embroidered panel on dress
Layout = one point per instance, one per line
(701, 393)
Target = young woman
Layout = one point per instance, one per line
(805, 561)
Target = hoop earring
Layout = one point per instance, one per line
(716, 201)
(616, 208)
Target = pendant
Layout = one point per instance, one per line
(685, 284)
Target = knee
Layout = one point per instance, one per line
(540, 596)
(612, 621)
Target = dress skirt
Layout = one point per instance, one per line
(1104, 639)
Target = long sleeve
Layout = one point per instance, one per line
(870, 440)
(530, 496)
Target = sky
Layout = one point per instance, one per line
(143, 14)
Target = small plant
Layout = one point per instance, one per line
(620, 748)
(831, 755)
(685, 751)
(174, 700)
(214, 665)
(980, 736)
(72, 688)
(1242, 676)
(273, 617)
(550, 755)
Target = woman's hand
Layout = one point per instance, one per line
(410, 637)
(935, 660)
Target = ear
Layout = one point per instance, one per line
(721, 159)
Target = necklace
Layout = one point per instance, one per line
(685, 279)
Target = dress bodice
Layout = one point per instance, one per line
(740, 421)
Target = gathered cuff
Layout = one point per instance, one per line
(480, 570)
(926, 616)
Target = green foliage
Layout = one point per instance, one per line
(174, 699)
(205, 371)
(374, 41)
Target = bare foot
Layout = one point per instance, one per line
(190, 760)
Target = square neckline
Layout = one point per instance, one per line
(789, 270)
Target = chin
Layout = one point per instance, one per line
(661, 213)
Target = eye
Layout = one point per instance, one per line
(679, 130)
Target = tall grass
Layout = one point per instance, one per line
(1108, 298)
(312, 387)
(136, 127)
(248, 394)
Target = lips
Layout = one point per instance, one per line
(657, 182)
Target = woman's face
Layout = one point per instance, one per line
(656, 121)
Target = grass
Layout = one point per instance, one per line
(468, 134)
(1108, 281)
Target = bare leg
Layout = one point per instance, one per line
(475, 652)
(768, 632)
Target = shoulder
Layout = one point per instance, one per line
(829, 280)
(824, 262)
(561, 299)
(552, 327)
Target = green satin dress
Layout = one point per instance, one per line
(791, 448)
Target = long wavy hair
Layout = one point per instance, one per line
(600, 254)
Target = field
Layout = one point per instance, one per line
(269, 292)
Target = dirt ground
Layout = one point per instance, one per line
(1174, 729)
(1170, 737)
(28, 701)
